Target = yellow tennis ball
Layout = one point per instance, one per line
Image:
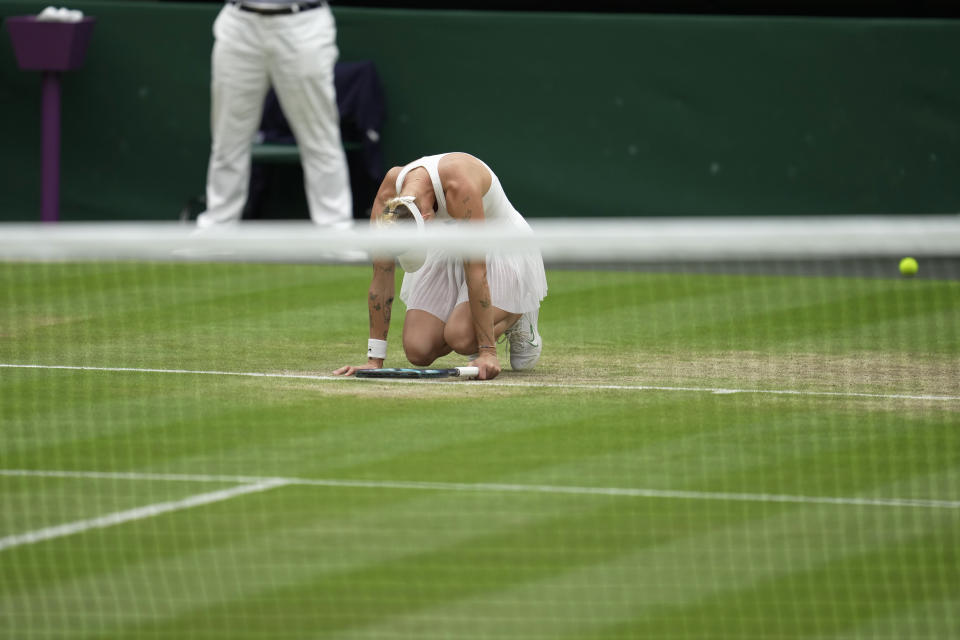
(908, 267)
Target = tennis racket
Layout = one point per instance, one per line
(456, 372)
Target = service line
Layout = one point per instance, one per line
(131, 515)
(486, 487)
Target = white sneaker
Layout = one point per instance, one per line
(525, 341)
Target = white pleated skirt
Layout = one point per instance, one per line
(517, 283)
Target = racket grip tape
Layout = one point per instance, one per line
(467, 372)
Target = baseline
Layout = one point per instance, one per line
(498, 383)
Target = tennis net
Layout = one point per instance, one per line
(737, 428)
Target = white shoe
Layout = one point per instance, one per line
(526, 343)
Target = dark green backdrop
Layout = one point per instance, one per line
(579, 114)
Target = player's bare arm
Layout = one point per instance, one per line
(463, 181)
(380, 299)
(379, 307)
(381, 293)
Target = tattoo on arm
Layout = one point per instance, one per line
(467, 211)
(382, 310)
(387, 309)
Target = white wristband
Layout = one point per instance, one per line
(376, 348)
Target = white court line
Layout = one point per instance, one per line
(499, 383)
(139, 513)
(491, 487)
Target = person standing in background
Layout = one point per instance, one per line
(291, 46)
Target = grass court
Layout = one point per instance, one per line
(697, 455)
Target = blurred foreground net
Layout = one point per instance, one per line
(738, 429)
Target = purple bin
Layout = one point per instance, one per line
(49, 46)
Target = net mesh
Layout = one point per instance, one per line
(737, 428)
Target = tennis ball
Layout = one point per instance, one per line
(908, 267)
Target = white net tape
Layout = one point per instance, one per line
(612, 240)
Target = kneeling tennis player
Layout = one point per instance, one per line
(453, 303)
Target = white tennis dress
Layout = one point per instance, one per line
(517, 281)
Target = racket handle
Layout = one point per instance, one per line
(468, 372)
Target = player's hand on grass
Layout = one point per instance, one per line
(348, 370)
(488, 364)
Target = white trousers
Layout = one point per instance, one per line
(296, 54)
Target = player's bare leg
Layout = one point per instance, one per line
(459, 332)
(423, 340)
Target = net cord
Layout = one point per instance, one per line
(581, 240)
